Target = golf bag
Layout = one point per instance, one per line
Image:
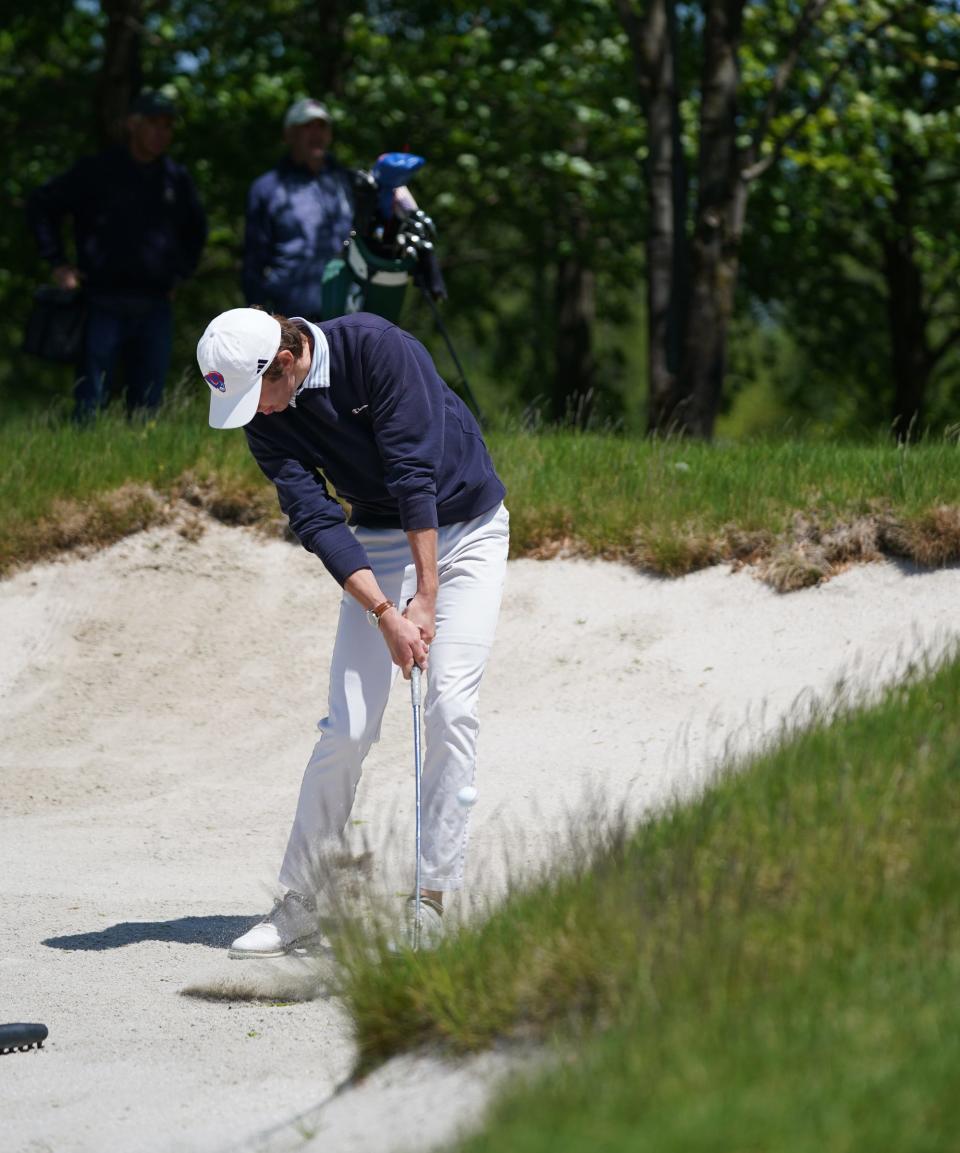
(391, 243)
(361, 281)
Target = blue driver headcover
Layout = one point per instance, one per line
(390, 171)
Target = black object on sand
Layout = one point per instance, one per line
(18, 1038)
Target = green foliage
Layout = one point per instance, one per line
(875, 167)
(532, 126)
(523, 118)
(771, 966)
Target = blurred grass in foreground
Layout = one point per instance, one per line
(774, 966)
(667, 506)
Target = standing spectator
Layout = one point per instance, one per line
(139, 228)
(298, 216)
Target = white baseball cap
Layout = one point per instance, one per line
(233, 353)
(303, 111)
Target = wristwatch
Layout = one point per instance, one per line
(374, 614)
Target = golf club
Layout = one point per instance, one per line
(415, 700)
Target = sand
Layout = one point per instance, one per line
(158, 703)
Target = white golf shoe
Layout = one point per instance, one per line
(291, 926)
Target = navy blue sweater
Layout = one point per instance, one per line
(140, 228)
(394, 442)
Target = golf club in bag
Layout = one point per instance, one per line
(392, 242)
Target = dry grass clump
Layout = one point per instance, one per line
(810, 550)
(685, 550)
(792, 567)
(551, 547)
(744, 547)
(74, 525)
(931, 539)
(104, 518)
(812, 553)
(857, 542)
(241, 503)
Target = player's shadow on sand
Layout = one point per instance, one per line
(215, 932)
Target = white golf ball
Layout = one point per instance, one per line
(467, 796)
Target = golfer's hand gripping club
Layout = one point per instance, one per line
(405, 642)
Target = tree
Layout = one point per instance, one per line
(865, 249)
(742, 131)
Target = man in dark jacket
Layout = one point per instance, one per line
(139, 229)
(357, 403)
(298, 216)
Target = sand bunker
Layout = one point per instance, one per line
(157, 707)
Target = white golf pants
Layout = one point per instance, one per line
(471, 560)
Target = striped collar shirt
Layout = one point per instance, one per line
(319, 374)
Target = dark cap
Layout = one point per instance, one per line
(149, 102)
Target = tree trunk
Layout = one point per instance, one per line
(654, 49)
(320, 29)
(576, 312)
(718, 228)
(695, 313)
(667, 250)
(912, 358)
(121, 75)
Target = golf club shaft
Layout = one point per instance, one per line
(415, 675)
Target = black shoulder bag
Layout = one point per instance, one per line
(54, 328)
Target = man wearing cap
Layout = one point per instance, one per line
(298, 216)
(139, 229)
(357, 403)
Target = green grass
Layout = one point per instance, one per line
(675, 506)
(49, 459)
(666, 506)
(772, 967)
(63, 486)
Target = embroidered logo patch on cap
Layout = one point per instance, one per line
(215, 380)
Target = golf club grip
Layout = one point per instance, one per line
(415, 686)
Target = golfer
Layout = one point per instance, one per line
(357, 404)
